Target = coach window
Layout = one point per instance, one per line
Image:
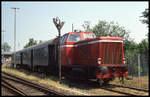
(74, 37)
(45, 52)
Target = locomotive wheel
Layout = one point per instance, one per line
(17, 66)
(100, 82)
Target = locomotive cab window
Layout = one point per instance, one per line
(63, 39)
(74, 37)
(89, 35)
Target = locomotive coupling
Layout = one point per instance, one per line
(126, 68)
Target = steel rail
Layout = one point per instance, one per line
(116, 91)
(139, 89)
(129, 94)
(111, 89)
(13, 88)
(44, 89)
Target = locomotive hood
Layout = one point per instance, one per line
(100, 51)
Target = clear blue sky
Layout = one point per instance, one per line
(34, 19)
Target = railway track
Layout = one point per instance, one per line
(91, 88)
(112, 89)
(138, 89)
(12, 88)
(130, 91)
(28, 88)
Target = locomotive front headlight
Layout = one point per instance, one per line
(98, 60)
(124, 61)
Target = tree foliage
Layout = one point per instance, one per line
(143, 46)
(6, 47)
(131, 48)
(145, 15)
(31, 43)
(40, 41)
(104, 28)
(86, 26)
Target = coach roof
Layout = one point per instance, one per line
(43, 44)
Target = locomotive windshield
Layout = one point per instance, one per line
(74, 37)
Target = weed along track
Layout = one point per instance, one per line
(26, 88)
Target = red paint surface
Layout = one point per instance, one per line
(89, 53)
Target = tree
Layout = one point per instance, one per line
(31, 43)
(86, 26)
(146, 18)
(131, 48)
(40, 41)
(6, 47)
(145, 15)
(104, 28)
(143, 45)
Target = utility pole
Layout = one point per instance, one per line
(15, 8)
(3, 45)
(59, 25)
(72, 27)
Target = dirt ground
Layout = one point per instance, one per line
(142, 82)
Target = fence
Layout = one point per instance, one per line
(138, 68)
(138, 64)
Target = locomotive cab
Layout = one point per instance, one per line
(68, 46)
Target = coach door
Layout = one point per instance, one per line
(51, 54)
(31, 60)
(21, 58)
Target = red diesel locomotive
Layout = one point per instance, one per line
(83, 55)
